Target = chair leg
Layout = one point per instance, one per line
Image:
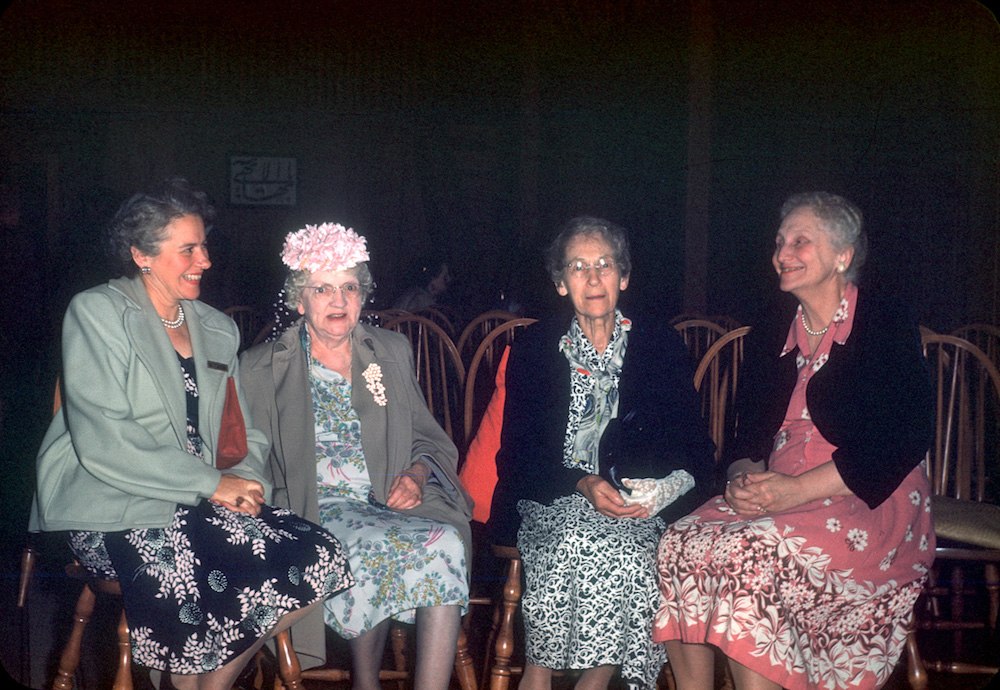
(123, 678)
(70, 658)
(288, 662)
(993, 588)
(915, 671)
(504, 650)
(464, 670)
(957, 605)
(490, 644)
(28, 558)
(398, 637)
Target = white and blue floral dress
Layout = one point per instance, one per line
(400, 562)
(203, 590)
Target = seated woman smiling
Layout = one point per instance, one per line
(805, 571)
(209, 570)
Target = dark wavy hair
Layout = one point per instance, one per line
(141, 220)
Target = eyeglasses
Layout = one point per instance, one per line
(350, 290)
(582, 268)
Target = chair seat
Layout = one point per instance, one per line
(969, 522)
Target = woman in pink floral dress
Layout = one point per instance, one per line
(805, 571)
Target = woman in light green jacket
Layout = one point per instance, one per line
(208, 569)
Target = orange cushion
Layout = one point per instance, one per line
(479, 473)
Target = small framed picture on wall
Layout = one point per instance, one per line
(262, 181)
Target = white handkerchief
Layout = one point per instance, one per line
(656, 494)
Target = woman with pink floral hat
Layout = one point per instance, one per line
(354, 446)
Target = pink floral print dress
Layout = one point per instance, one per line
(818, 596)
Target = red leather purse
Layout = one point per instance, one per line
(232, 446)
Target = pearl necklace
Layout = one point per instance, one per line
(179, 321)
(802, 317)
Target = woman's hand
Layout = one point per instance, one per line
(606, 499)
(756, 493)
(407, 490)
(773, 492)
(238, 494)
(735, 493)
(739, 497)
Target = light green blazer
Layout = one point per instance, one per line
(116, 456)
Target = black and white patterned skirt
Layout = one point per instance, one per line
(591, 589)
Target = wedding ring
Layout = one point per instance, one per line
(239, 501)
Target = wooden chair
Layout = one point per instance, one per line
(387, 315)
(686, 316)
(478, 329)
(727, 322)
(438, 316)
(699, 335)
(478, 389)
(292, 675)
(69, 660)
(716, 379)
(967, 425)
(501, 670)
(250, 322)
(984, 336)
(440, 371)
(379, 317)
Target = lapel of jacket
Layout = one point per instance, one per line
(296, 437)
(153, 349)
(379, 445)
(209, 343)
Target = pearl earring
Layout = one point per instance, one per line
(840, 268)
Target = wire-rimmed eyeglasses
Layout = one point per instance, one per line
(349, 290)
(604, 267)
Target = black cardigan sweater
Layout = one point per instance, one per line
(658, 429)
(872, 399)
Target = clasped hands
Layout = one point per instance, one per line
(239, 494)
(751, 492)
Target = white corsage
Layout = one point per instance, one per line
(373, 377)
(656, 494)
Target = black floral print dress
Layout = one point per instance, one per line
(203, 590)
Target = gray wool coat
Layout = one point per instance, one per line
(275, 378)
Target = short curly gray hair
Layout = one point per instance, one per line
(296, 281)
(142, 219)
(841, 219)
(614, 235)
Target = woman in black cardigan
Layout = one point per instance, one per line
(602, 445)
(804, 573)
